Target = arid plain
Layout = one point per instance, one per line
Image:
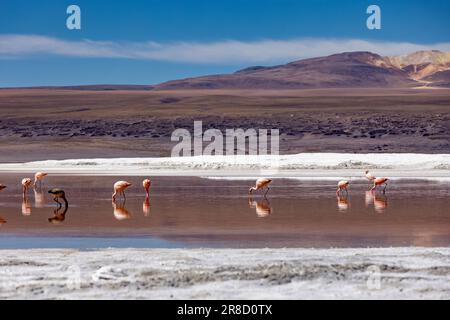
(106, 122)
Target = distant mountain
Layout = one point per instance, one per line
(344, 70)
(94, 87)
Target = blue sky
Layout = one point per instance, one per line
(146, 42)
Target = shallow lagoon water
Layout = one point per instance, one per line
(197, 212)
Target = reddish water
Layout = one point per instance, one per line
(204, 213)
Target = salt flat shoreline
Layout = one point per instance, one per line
(299, 166)
(383, 273)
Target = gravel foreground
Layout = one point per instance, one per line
(387, 273)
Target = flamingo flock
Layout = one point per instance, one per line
(261, 184)
(377, 182)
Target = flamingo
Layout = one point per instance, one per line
(261, 183)
(39, 176)
(26, 183)
(59, 194)
(146, 184)
(342, 185)
(119, 187)
(2, 186)
(378, 182)
(369, 176)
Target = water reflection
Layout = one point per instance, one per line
(26, 206)
(58, 216)
(343, 203)
(261, 207)
(39, 198)
(368, 200)
(380, 203)
(120, 212)
(146, 207)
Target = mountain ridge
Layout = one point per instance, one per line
(357, 69)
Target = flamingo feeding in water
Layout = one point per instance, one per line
(26, 183)
(369, 176)
(146, 184)
(378, 182)
(261, 183)
(119, 187)
(39, 176)
(342, 185)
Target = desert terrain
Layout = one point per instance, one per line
(40, 124)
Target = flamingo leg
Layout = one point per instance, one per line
(267, 190)
(346, 192)
(385, 186)
(124, 197)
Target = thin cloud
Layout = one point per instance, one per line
(220, 52)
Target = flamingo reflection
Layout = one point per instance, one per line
(58, 216)
(262, 207)
(146, 207)
(120, 212)
(26, 206)
(380, 203)
(342, 203)
(368, 200)
(39, 198)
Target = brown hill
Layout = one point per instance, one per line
(345, 70)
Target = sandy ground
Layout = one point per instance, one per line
(388, 273)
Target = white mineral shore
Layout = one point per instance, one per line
(386, 273)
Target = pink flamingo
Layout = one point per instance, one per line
(261, 183)
(119, 187)
(342, 185)
(146, 184)
(26, 183)
(378, 182)
(39, 176)
(369, 176)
